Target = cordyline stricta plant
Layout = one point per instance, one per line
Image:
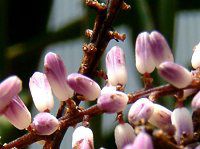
(149, 125)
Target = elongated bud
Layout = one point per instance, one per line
(41, 92)
(175, 74)
(56, 74)
(196, 101)
(160, 48)
(124, 135)
(115, 64)
(82, 138)
(9, 88)
(141, 109)
(195, 57)
(18, 114)
(84, 86)
(143, 56)
(161, 117)
(45, 124)
(182, 120)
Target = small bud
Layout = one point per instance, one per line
(189, 92)
(124, 135)
(41, 92)
(45, 124)
(161, 117)
(84, 86)
(196, 101)
(182, 120)
(195, 57)
(116, 66)
(175, 74)
(18, 114)
(56, 75)
(141, 109)
(82, 138)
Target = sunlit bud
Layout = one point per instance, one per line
(56, 74)
(161, 116)
(143, 56)
(82, 138)
(189, 92)
(160, 49)
(84, 86)
(182, 120)
(9, 88)
(41, 92)
(175, 74)
(124, 135)
(108, 89)
(141, 109)
(18, 114)
(195, 57)
(196, 101)
(45, 124)
(116, 66)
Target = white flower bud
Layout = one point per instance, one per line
(195, 57)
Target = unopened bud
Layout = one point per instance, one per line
(196, 101)
(195, 57)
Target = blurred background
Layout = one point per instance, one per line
(30, 29)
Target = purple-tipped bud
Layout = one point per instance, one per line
(18, 114)
(175, 74)
(9, 88)
(82, 138)
(195, 57)
(41, 92)
(84, 86)
(182, 120)
(56, 74)
(45, 124)
(160, 48)
(143, 56)
(124, 135)
(141, 109)
(116, 66)
(161, 117)
(196, 101)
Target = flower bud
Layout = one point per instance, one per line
(41, 92)
(182, 120)
(116, 66)
(84, 86)
(56, 75)
(196, 101)
(141, 109)
(175, 74)
(195, 57)
(124, 135)
(82, 138)
(143, 56)
(45, 124)
(18, 114)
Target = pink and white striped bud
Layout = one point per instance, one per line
(84, 86)
(175, 74)
(82, 138)
(18, 114)
(142, 109)
(56, 74)
(124, 135)
(160, 48)
(195, 57)
(41, 92)
(196, 101)
(182, 120)
(116, 66)
(9, 88)
(161, 117)
(45, 124)
(143, 56)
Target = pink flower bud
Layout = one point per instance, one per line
(18, 114)
(9, 88)
(116, 66)
(175, 74)
(182, 120)
(41, 92)
(82, 138)
(196, 101)
(141, 109)
(195, 57)
(143, 56)
(56, 75)
(84, 86)
(45, 124)
(124, 135)
(161, 116)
